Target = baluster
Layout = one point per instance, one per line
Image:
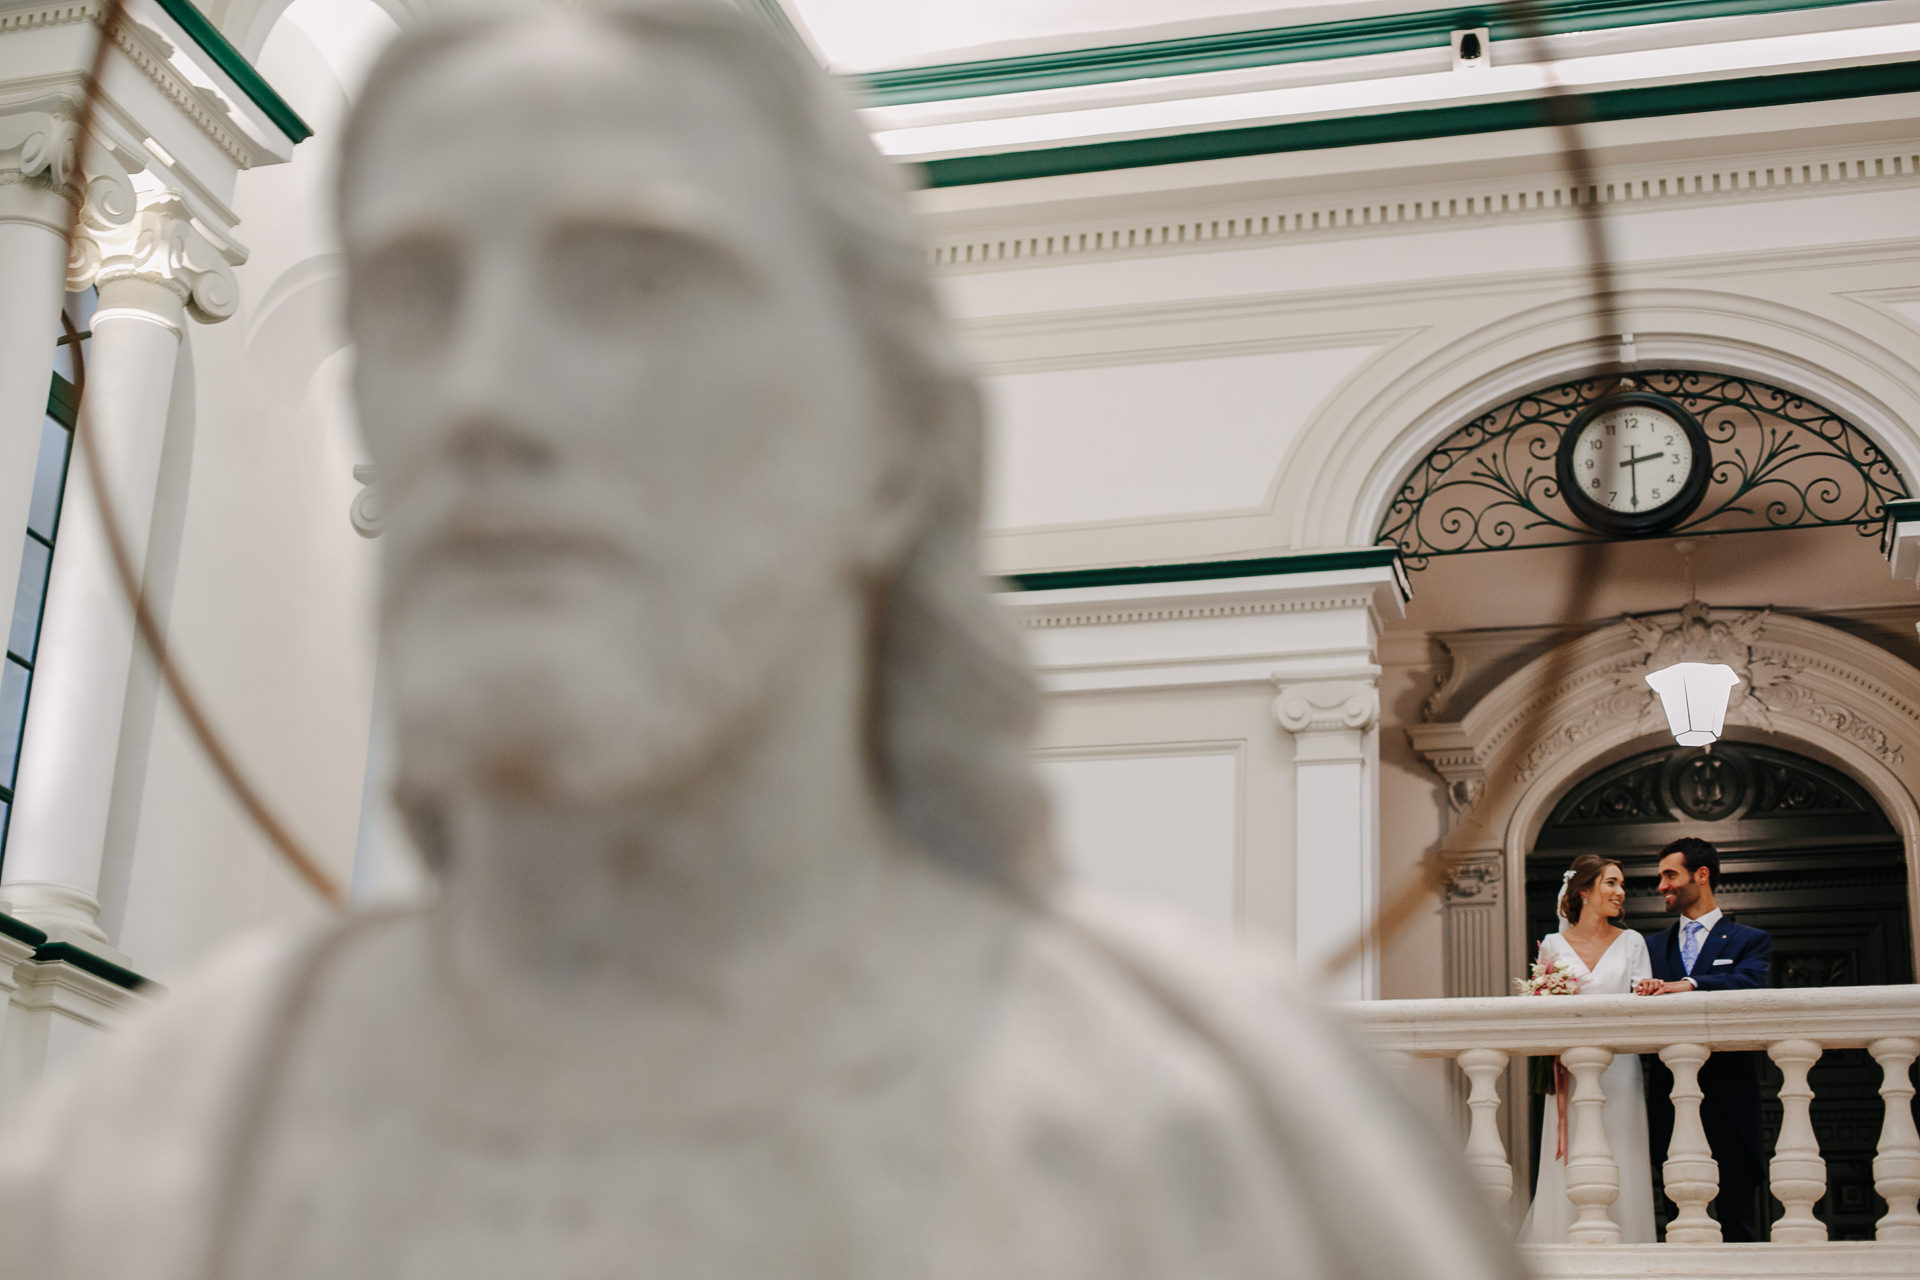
(1799, 1174)
(1896, 1167)
(1593, 1179)
(1692, 1177)
(1486, 1153)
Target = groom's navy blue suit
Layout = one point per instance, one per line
(1732, 957)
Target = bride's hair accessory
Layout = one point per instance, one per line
(1576, 880)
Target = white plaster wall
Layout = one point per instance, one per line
(1161, 823)
(271, 610)
(1146, 439)
(1183, 797)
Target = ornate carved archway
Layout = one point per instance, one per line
(1821, 691)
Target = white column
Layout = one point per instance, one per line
(1896, 1166)
(1486, 1153)
(151, 276)
(1336, 758)
(1690, 1174)
(38, 168)
(1593, 1179)
(1798, 1172)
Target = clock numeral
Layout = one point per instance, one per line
(1613, 495)
(1656, 495)
(1589, 464)
(1596, 483)
(1673, 479)
(1610, 426)
(1595, 443)
(1669, 442)
(1632, 423)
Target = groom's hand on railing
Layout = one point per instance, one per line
(1655, 987)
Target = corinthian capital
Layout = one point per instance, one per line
(43, 176)
(160, 245)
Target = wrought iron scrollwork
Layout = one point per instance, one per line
(1779, 461)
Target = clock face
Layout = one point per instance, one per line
(1632, 459)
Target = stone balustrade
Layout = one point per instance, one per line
(1484, 1036)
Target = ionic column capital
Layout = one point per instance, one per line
(159, 246)
(1328, 718)
(43, 177)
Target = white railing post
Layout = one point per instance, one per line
(1486, 1154)
(1692, 1178)
(1593, 1179)
(1798, 1174)
(1896, 1167)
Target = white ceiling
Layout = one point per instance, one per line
(867, 35)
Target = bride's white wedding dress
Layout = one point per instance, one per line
(1624, 1116)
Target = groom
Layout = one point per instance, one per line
(1705, 951)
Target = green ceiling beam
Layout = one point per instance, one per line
(1309, 42)
(1429, 123)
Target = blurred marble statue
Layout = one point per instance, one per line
(748, 958)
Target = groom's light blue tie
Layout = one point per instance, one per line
(1690, 944)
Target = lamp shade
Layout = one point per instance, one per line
(1694, 696)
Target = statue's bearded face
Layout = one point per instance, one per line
(622, 421)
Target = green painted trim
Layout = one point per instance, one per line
(1422, 125)
(1898, 512)
(228, 59)
(1210, 570)
(20, 930)
(63, 403)
(50, 952)
(776, 17)
(1273, 46)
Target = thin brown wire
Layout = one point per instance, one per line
(1561, 108)
(192, 709)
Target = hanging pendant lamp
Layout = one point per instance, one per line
(1694, 695)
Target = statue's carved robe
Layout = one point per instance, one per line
(1141, 1100)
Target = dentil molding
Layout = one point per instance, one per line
(1287, 218)
(1276, 629)
(147, 51)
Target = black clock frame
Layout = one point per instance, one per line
(1633, 524)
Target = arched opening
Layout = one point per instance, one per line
(1807, 854)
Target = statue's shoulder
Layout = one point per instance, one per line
(1250, 1062)
(124, 1145)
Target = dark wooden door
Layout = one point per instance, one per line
(1807, 855)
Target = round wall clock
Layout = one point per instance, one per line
(1634, 463)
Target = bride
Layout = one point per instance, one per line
(1607, 960)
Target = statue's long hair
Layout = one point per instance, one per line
(951, 704)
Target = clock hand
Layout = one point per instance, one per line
(1634, 476)
(1633, 461)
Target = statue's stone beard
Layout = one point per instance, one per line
(594, 705)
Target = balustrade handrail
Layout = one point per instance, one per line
(1794, 1027)
(1836, 1017)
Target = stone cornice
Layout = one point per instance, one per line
(1017, 236)
(147, 51)
(1289, 628)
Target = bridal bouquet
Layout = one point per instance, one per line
(1547, 977)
